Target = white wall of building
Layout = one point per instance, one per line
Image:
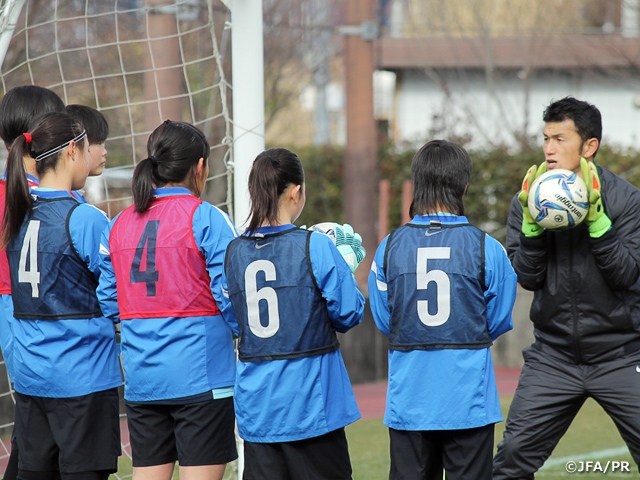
(429, 104)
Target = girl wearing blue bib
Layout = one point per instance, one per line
(442, 291)
(66, 369)
(291, 291)
(18, 108)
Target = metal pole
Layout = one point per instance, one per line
(8, 18)
(247, 64)
(320, 45)
(360, 162)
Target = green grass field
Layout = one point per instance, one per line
(592, 436)
(592, 431)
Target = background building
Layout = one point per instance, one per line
(479, 71)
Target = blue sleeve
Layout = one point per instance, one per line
(106, 291)
(226, 308)
(378, 301)
(213, 230)
(85, 228)
(501, 281)
(339, 288)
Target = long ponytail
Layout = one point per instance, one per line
(50, 134)
(272, 172)
(142, 184)
(18, 198)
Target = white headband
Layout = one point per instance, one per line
(61, 147)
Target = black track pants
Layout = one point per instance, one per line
(550, 393)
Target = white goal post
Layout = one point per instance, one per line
(247, 57)
(140, 62)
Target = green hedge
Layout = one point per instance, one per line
(497, 175)
(323, 177)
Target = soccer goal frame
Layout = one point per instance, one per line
(245, 138)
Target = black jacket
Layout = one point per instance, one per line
(586, 300)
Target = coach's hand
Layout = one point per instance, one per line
(529, 226)
(349, 244)
(597, 220)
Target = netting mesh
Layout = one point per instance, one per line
(139, 63)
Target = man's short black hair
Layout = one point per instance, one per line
(585, 116)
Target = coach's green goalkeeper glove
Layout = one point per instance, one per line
(349, 245)
(597, 220)
(529, 226)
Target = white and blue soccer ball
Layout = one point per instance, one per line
(558, 199)
(328, 228)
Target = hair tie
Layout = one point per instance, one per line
(153, 159)
(27, 137)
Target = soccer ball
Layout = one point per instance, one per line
(325, 227)
(558, 199)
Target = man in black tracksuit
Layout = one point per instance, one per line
(586, 306)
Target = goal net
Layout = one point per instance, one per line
(139, 62)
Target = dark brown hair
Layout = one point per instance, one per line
(441, 172)
(21, 105)
(173, 149)
(48, 132)
(272, 172)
